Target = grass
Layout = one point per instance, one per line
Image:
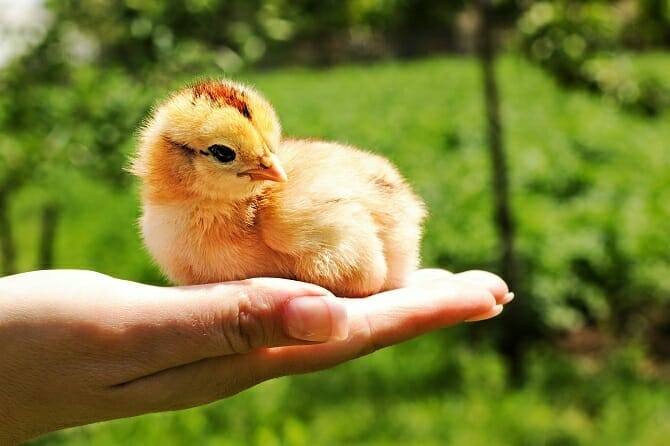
(584, 173)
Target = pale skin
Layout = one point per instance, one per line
(79, 347)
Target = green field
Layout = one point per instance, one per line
(591, 190)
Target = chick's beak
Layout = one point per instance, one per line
(269, 169)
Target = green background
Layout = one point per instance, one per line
(589, 173)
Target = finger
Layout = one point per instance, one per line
(490, 281)
(398, 315)
(385, 319)
(187, 385)
(509, 297)
(426, 275)
(374, 323)
(174, 326)
(493, 312)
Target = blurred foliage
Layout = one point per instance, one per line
(577, 42)
(415, 394)
(232, 33)
(650, 25)
(589, 185)
(616, 78)
(565, 35)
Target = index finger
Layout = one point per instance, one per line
(382, 320)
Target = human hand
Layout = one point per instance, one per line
(79, 347)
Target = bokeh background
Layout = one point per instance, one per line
(538, 132)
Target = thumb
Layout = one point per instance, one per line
(185, 324)
(270, 312)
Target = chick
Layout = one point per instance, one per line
(226, 198)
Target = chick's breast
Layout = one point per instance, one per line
(345, 220)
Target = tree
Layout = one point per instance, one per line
(520, 325)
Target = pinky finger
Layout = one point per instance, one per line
(493, 312)
(189, 385)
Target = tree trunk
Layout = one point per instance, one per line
(49, 223)
(504, 220)
(7, 247)
(519, 325)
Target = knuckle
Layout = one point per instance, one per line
(479, 296)
(367, 348)
(369, 342)
(248, 327)
(482, 296)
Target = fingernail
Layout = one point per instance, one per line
(507, 298)
(493, 312)
(316, 319)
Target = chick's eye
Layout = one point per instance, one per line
(222, 153)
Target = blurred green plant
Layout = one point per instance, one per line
(650, 26)
(231, 34)
(396, 398)
(73, 101)
(617, 79)
(578, 41)
(590, 185)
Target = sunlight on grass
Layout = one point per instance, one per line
(580, 167)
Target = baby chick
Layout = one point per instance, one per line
(226, 198)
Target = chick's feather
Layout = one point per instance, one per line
(345, 219)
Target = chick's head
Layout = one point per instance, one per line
(216, 139)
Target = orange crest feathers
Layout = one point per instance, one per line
(222, 93)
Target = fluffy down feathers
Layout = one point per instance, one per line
(345, 219)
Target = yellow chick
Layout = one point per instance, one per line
(225, 198)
